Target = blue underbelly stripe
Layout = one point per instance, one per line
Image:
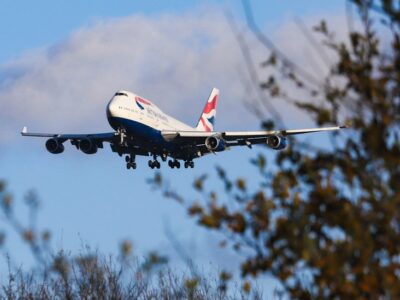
(142, 133)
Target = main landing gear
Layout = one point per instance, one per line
(174, 164)
(130, 161)
(189, 164)
(154, 163)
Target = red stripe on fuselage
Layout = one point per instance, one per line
(141, 100)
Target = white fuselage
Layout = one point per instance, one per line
(126, 106)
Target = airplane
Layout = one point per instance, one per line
(142, 129)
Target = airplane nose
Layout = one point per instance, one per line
(111, 109)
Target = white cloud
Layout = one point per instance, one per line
(290, 37)
(173, 60)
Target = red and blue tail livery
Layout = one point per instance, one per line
(207, 118)
(142, 129)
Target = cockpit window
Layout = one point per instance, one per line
(121, 94)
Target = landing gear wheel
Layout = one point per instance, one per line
(171, 164)
(174, 164)
(154, 164)
(186, 164)
(191, 164)
(130, 161)
(131, 165)
(164, 157)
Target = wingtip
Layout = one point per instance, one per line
(24, 130)
(346, 125)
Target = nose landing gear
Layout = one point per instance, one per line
(121, 132)
(130, 161)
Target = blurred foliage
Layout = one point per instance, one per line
(91, 275)
(325, 221)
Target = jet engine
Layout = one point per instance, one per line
(88, 146)
(276, 142)
(215, 143)
(54, 146)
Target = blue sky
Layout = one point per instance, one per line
(28, 24)
(93, 199)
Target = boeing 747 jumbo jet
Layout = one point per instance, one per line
(141, 128)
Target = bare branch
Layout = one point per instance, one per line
(252, 72)
(271, 46)
(181, 251)
(314, 43)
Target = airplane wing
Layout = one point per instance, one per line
(100, 137)
(87, 143)
(239, 138)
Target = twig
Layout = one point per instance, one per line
(180, 250)
(252, 72)
(317, 46)
(270, 45)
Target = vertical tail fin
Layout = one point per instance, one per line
(207, 118)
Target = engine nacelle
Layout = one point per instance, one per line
(54, 146)
(88, 146)
(215, 143)
(276, 142)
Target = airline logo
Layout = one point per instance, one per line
(140, 102)
(208, 116)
